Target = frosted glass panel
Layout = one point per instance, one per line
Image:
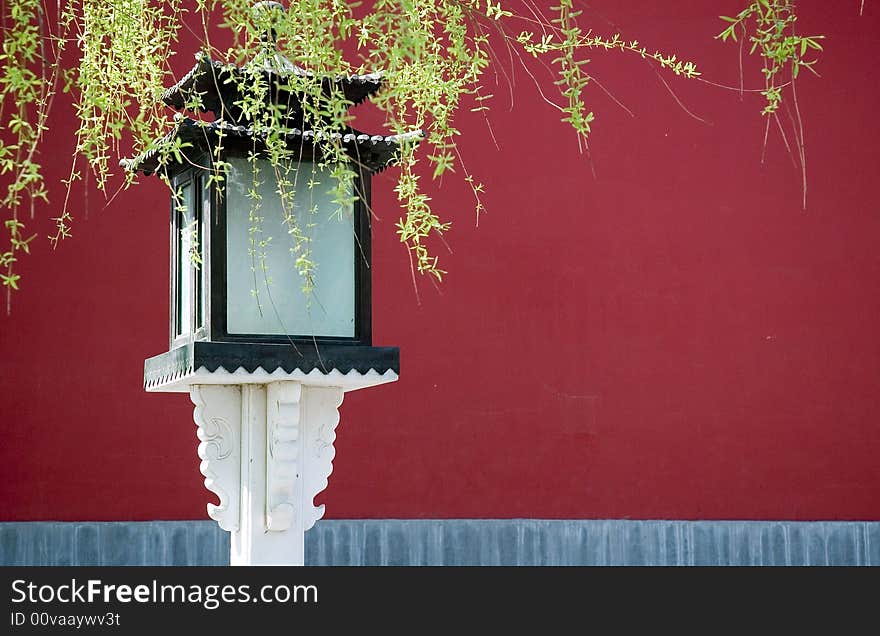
(272, 301)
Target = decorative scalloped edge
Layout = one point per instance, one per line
(261, 376)
(219, 448)
(168, 378)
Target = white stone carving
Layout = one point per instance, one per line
(282, 452)
(217, 414)
(322, 409)
(266, 450)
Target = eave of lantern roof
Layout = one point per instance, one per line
(376, 152)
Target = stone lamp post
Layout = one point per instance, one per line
(265, 365)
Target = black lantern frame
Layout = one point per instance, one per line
(208, 306)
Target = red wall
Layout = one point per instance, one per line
(672, 338)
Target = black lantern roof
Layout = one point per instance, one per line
(216, 88)
(217, 84)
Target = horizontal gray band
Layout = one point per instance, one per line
(459, 542)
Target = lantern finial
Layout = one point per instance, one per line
(267, 14)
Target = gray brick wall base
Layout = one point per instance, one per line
(459, 542)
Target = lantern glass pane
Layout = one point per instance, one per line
(264, 290)
(185, 228)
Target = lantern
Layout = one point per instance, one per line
(265, 361)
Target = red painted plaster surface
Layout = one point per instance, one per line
(673, 337)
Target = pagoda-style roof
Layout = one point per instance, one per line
(217, 84)
(219, 88)
(374, 152)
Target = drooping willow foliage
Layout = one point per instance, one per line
(770, 27)
(432, 55)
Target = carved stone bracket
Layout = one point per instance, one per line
(323, 416)
(217, 413)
